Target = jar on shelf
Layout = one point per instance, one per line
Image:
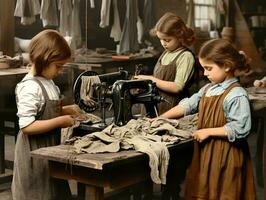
(255, 21)
(228, 33)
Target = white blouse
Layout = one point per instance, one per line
(30, 98)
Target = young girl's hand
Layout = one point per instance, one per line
(66, 121)
(258, 84)
(200, 135)
(144, 77)
(72, 109)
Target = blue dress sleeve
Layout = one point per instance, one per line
(237, 113)
(190, 104)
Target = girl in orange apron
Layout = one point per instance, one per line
(221, 166)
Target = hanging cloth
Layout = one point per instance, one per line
(191, 15)
(105, 13)
(129, 38)
(65, 7)
(116, 27)
(148, 18)
(75, 25)
(48, 13)
(27, 9)
(220, 13)
(92, 3)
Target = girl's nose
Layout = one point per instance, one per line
(163, 43)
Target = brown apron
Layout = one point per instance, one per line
(31, 179)
(220, 170)
(167, 73)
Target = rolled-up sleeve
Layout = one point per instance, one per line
(29, 102)
(238, 114)
(190, 105)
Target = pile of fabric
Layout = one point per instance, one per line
(144, 135)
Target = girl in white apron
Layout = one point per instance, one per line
(40, 119)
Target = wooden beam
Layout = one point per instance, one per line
(7, 27)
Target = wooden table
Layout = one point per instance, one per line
(258, 108)
(102, 63)
(102, 173)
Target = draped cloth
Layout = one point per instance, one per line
(27, 10)
(143, 135)
(48, 13)
(129, 38)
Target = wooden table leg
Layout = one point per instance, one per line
(2, 153)
(264, 154)
(259, 151)
(94, 193)
(148, 190)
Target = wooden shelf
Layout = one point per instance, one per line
(258, 28)
(254, 14)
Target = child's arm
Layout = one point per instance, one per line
(168, 86)
(238, 118)
(260, 83)
(174, 113)
(72, 109)
(186, 106)
(202, 134)
(43, 126)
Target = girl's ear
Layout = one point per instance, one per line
(227, 69)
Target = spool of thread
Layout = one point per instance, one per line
(214, 34)
(4, 64)
(255, 21)
(262, 21)
(228, 33)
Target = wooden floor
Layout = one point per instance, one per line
(5, 193)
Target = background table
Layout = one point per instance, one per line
(258, 108)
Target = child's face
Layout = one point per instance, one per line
(53, 69)
(169, 43)
(215, 73)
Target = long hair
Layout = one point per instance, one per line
(224, 54)
(172, 25)
(46, 47)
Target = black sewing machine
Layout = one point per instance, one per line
(115, 88)
(126, 93)
(107, 80)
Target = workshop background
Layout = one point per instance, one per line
(88, 31)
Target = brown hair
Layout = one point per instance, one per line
(224, 54)
(172, 25)
(46, 47)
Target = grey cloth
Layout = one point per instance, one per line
(76, 40)
(144, 135)
(116, 28)
(31, 179)
(86, 89)
(27, 9)
(105, 13)
(148, 18)
(67, 133)
(65, 7)
(129, 38)
(48, 13)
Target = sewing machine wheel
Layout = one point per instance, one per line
(76, 89)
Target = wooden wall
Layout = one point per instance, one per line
(7, 27)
